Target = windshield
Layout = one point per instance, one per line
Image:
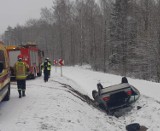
(13, 57)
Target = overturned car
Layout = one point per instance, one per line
(115, 96)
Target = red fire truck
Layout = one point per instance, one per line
(32, 55)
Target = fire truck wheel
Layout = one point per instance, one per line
(39, 74)
(40, 71)
(34, 75)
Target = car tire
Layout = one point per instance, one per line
(94, 92)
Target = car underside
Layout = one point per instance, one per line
(115, 96)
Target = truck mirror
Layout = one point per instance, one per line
(1, 67)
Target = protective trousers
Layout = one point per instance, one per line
(46, 75)
(21, 84)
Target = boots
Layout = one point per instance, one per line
(23, 93)
(19, 91)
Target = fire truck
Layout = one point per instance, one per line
(32, 55)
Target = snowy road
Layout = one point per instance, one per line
(49, 107)
(53, 106)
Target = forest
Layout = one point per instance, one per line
(114, 36)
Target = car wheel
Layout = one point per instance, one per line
(94, 92)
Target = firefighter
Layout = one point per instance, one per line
(49, 67)
(21, 70)
(46, 67)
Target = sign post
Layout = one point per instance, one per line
(61, 63)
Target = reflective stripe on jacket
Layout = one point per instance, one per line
(48, 64)
(21, 70)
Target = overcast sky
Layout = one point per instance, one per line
(13, 12)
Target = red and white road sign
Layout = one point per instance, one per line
(61, 62)
(55, 62)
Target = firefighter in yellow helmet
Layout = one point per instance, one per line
(21, 69)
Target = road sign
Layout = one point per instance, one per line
(61, 62)
(55, 62)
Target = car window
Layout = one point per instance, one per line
(2, 61)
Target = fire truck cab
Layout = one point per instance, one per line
(32, 55)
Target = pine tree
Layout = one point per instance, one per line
(118, 35)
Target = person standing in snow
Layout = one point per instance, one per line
(21, 70)
(49, 67)
(46, 67)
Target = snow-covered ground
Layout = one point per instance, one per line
(54, 106)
